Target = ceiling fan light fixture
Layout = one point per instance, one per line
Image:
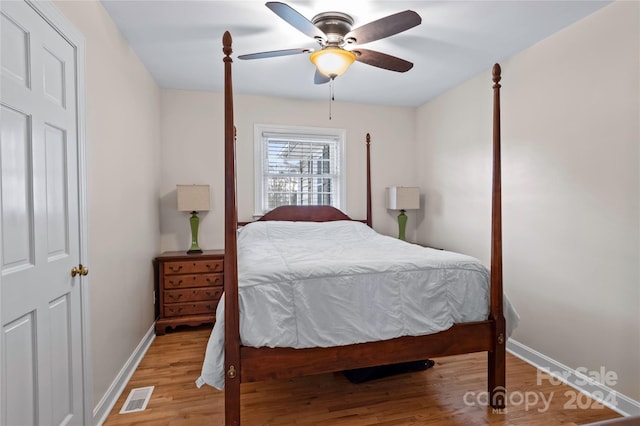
(332, 61)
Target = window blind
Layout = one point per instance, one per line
(300, 170)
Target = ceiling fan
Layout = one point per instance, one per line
(339, 43)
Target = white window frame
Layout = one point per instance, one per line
(259, 140)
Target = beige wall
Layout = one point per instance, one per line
(571, 133)
(123, 140)
(192, 152)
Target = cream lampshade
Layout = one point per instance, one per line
(403, 198)
(194, 199)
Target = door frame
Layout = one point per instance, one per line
(48, 11)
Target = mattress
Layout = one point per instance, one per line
(307, 284)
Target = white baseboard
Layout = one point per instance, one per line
(104, 407)
(586, 385)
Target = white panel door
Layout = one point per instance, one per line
(41, 350)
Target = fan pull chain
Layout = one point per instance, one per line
(331, 97)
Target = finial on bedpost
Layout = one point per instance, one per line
(497, 71)
(226, 45)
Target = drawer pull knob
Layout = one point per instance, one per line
(174, 297)
(178, 269)
(175, 284)
(216, 266)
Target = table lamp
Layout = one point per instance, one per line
(403, 198)
(194, 199)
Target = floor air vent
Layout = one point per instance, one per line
(137, 400)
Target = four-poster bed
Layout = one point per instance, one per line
(249, 364)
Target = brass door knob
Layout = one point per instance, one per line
(80, 270)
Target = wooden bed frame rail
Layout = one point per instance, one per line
(248, 364)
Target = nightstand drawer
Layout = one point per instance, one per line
(191, 295)
(193, 267)
(179, 309)
(193, 280)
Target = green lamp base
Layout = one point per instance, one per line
(402, 225)
(194, 221)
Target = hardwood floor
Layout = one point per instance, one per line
(450, 393)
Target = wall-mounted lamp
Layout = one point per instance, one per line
(403, 198)
(194, 199)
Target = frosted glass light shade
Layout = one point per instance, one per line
(403, 198)
(332, 61)
(193, 198)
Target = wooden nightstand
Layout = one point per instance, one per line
(189, 288)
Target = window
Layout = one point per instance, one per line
(298, 166)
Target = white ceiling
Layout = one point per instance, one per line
(180, 44)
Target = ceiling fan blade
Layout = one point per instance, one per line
(274, 53)
(382, 60)
(295, 19)
(384, 27)
(320, 78)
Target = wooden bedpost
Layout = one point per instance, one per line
(497, 371)
(369, 218)
(231, 318)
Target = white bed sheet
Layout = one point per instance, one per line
(304, 284)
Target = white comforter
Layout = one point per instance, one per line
(305, 284)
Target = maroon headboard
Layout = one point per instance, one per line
(305, 214)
